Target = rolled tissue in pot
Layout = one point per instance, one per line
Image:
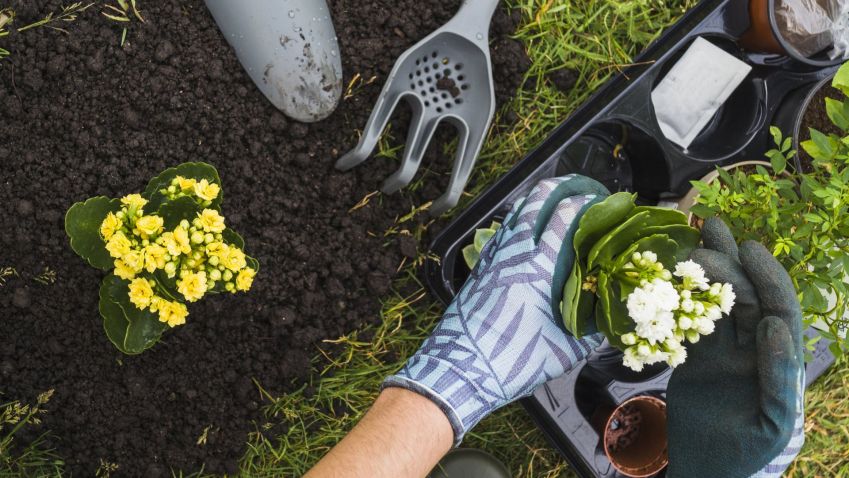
(694, 89)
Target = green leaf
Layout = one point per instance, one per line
(187, 170)
(577, 306)
(686, 239)
(599, 219)
(628, 232)
(233, 238)
(471, 256)
(838, 112)
(172, 212)
(778, 162)
(131, 330)
(611, 314)
(841, 79)
(482, 236)
(82, 224)
(776, 135)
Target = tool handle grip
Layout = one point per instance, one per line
(477, 13)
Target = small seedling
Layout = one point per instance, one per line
(5, 273)
(106, 469)
(6, 17)
(47, 276)
(123, 11)
(68, 14)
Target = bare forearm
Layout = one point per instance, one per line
(403, 435)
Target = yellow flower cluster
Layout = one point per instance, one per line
(195, 252)
(202, 189)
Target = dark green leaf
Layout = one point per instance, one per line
(131, 330)
(187, 170)
(600, 219)
(838, 113)
(172, 212)
(82, 224)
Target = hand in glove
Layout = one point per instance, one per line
(735, 405)
(502, 336)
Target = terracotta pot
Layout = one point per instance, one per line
(760, 36)
(635, 437)
(765, 36)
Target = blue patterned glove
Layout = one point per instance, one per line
(502, 336)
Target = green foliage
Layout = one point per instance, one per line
(131, 329)
(607, 236)
(472, 252)
(33, 458)
(803, 217)
(165, 247)
(82, 224)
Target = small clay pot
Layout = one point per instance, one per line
(635, 437)
(765, 36)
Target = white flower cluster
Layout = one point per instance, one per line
(669, 308)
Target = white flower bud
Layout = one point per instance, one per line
(643, 350)
(692, 336)
(686, 294)
(636, 257)
(629, 339)
(684, 323)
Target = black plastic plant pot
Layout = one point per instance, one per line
(765, 35)
(634, 437)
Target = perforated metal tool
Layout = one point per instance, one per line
(445, 77)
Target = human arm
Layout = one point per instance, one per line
(403, 435)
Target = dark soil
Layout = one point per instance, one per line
(816, 117)
(82, 116)
(624, 428)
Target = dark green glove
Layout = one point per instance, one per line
(732, 405)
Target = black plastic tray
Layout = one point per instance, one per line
(620, 116)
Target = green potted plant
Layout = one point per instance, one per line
(803, 218)
(162, 248)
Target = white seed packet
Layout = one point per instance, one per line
(694, 88)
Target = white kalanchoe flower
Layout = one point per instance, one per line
(713, 312)
(658, 329)
(703, 326)
(632, 360)
(677, 353)
(641, 305)
(650, 257)
(692, 274)
(727, 298)
(665, 294)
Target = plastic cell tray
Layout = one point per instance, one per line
(614, 137)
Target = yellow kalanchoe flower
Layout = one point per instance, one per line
(149, 225)
(118, 245)
(154, 257)
(206, 190)
(233, 258)
(192, 285)
(122, 271)
(110, 225)
(185, 184)
(245, 279)
(141, 293)
(181, 237)
(134, 261)
(172, 313)
(134, 201)
(211, 221)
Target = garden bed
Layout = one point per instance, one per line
(83, 116)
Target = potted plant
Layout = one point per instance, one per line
(634, 437)
(803, 218)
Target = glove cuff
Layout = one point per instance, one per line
(447, 387)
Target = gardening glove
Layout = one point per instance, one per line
(736, 405)
(502, 336)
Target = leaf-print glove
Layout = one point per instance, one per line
(736, 405)
(502, 336)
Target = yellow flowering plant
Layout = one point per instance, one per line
(165, 247)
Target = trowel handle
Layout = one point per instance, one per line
(475, 16)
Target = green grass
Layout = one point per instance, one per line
(597, 38)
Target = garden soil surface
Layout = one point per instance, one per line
(82, 116)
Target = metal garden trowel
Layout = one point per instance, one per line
(446, 76)
(289, 49)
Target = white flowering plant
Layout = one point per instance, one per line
(632, 273)
(163, 248)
